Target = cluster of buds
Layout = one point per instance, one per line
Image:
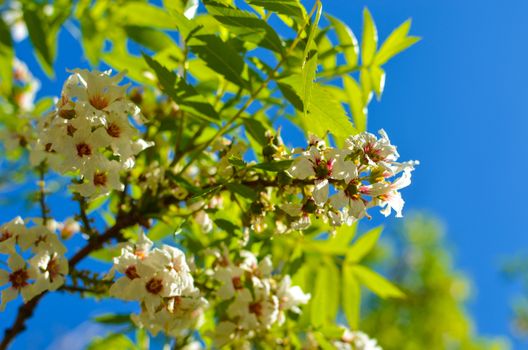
(363, 174)
(161, 281)
(255, 299)
(91, 132)
(36, 259)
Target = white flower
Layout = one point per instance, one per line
(99, 179)
(290, 297)
(52, 268)
(356, 340)
(9, 232)
(20, 278)
(40, 238)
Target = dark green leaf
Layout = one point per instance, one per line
(182, 93)
(37, 30)
(242, 190)
(113, 319)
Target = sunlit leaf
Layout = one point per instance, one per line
(350, 297)
(347, 39)
(363, 245)
(369, 40)
(6, 58)
(376, 283)
(397, 42)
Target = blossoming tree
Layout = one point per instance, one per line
(220, 231)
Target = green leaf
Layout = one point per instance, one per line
(220, 57)
(243, 190)
(112, 342)
(182, 93)
(113, 319)
(364, 245)
(227, 226)
(152, 39)
(343, 236)
(256, 129)
(135, 13)
(376, 283)
(280, 165)
(324, 304)
(355, 101)
(377, 76)
(369, 41)
(347, 39)
(37, 30)
(366, 85)
(6, 58)
(395, 43)
(284, 7)
(350, 297)
(92, 39)
(326, 114)
(246, 26)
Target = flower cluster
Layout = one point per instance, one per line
(255, 299)
(91, 132)
(160, 280)
(36, 259)
(344, 182)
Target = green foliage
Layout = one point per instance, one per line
(434, 307)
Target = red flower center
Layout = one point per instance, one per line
(154, 286)
(256, 308)
(84, 149)
(99, 179)
(19, 278)
(113, 130)
(99, 102)
(131, 272)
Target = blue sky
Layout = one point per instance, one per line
(456, 101)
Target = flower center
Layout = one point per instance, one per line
(256, 308)
(49, 147)
(99, 179)
(113, 130)
(99, 102)
(84, 149)
(53, 268)
(131, 272)
(237, 283)
(5, 236)
(323, 168)
(154, 286)
(19, 279)
(70, 130)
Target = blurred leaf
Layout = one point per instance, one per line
(113, 319)
(355, 101)
(366, 85)
(6, 58)
(220, 57)
(369, 41)
(136, 13)
(243, 190)
(350, 297)
(112, 342)
(376, 283)
(280, 165)
(377, 76)
(363, 245)
(37, 30)
(256, 130)
(395, 43)
(152, 39)
(347, 39)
